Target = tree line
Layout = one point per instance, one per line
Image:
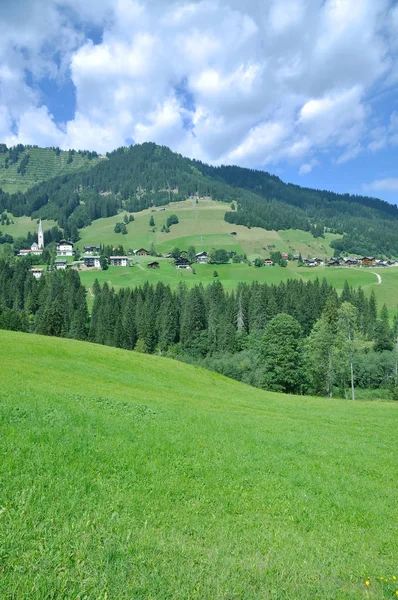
(296, 337)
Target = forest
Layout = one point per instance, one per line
(296, 337)
(141, 176)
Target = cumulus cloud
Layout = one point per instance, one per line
(389, 184)
(221, 80)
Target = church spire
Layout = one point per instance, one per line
(40, 236)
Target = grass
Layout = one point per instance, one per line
(133, 476)
(21, 226)
(201, 225)
(43, 164)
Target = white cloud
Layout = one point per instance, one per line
(221, 80)
(382, 185)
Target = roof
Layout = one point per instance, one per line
(60, 261)
(118, 257)
(65, 243)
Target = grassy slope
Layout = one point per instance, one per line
(201, 225)
(43, 164)
(128, 476)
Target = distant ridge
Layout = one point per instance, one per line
(140, 176)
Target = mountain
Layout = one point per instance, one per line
(133, 476)
(147, 175)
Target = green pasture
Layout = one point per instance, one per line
(134, 476)
(201, 225)
(22, 225)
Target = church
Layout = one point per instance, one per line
(35, 249)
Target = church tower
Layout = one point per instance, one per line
(40, 236)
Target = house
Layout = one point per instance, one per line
(182, 263)
(296, 256)
(202, 258)
(153, 265)
(285, 256)
(65, 248)
(318, 261)
(310, 262)
(141, 252)
(168, 255)
(91, 249)
(334, 262)
(34, 249)
(268, 262)
(60, 264)
(368, 261)
(119, 261)
(37, 273)
(92, 261)
(350, 262)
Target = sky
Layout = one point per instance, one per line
(305, 89)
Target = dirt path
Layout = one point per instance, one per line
(379, 280)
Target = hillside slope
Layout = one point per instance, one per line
(147, 175)
(21, 170)
(129, 476)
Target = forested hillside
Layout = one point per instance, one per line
(296, 337)
(22, 167)
(147, 175)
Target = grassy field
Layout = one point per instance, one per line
(43, 164)
(230, 275)
(133, 476)
(201, 225)
(22, 225)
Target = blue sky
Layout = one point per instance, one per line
(306, 89)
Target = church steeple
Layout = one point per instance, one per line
(40, 237)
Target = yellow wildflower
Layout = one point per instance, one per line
(367, 582)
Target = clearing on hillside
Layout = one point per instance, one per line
(133, 476)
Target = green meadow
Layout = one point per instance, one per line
(134, 476)
(201, 225)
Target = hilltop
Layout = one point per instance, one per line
(137, 476)
(145, 176)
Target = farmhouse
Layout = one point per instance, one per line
(65, 248)
(60, 264)
(92, 261)
(285, 256)
(91, 249)
(37, 273)
(182, 263)
(153, 265)
(119, 261)
(368, 261)
(141, 252)
(201, 258)
(334, 262)
(350, 262)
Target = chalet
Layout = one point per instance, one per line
(60, 264)
(350, 262)
(310, 262)
(319, 262)
(182, 263)
(65, 248)
(119, 261)
(153, 265)
(37, 273)
(92, 261)
(334, 262)
(268, 262)
(296, 256)
(141, 252)
(368, 261)
(285, 256)
(202, 258)
(91, 249)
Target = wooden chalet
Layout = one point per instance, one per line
(368, 261)
(285, 256)
(334, 262)
(153, 265)
(36, 272)
(92, 261)
(60, 264)
(350, 262)
(141, 252)
(182, 263)
(202, 258)
(268, 262)
(91, 249)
